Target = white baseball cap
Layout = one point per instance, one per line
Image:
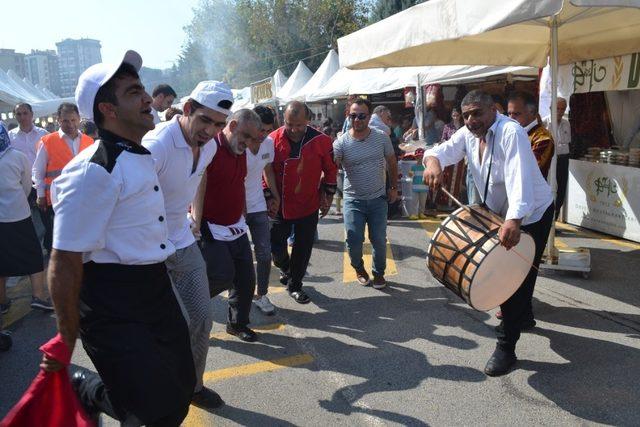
(215, 95)
(94, 77)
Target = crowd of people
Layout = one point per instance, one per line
(146, 220)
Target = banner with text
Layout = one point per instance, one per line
(615, 73)
(605, 198)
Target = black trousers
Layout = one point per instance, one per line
(230, 266)
(293, 266)
(133, 330)
(47, 220)
(517, 309)
(562, 177)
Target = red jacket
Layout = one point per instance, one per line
(299, 179)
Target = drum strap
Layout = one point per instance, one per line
(486, 184)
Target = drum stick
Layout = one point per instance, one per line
(468, 209)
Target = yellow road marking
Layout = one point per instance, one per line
(199, 417)
(349, 274)
(599, 236)
(430, 225)
(21, 301)
(269, 327)
(257, 368)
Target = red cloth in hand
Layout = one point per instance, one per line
(50, 400)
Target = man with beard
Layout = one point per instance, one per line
(220, 204)
(181, 150)
(306, 181)
(363, 153)
(507, 176)
(110, 216)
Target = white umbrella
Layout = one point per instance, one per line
(499, 32)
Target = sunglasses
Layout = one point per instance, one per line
(360, 116)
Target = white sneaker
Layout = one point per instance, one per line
(265, 305)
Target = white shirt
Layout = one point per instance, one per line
(173, 159)
(564, 134)
(39, 170)
(253, 183)
(109, 206)
(15, 185)
(156, 116)
(27, 142)
(517, 189)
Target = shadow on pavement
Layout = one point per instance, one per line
(598, 383)
(373, 329)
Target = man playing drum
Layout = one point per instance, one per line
(512, 187)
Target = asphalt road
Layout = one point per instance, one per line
(411, 354)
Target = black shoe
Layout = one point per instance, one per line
(5, 341)
(284, 278)
(300, 297)
(77, 379)
(242, 332)
(41, 304)
(500, 362)
(207, 399)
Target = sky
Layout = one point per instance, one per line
(152, 28)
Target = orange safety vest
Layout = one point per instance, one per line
(59, 154)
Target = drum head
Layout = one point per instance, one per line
(501, 274)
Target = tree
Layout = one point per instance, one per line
(384, 8)
(243, 41)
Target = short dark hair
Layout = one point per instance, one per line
(87, 127)
(67, 107)
(363, 101)
(22, 104)
(164, 89)
(107, 92)
(265, 113)
(477, 97)
(171, 112)
(528, 100)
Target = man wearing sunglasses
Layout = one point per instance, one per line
(363, 153)
(181, 150)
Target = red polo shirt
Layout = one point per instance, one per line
(224, 198)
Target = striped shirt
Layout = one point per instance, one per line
(363, 162)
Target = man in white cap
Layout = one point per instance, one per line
(182, 151)
(110, 215)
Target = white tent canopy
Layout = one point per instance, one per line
(14, 90)
(241, 98)
(279, 80)
(297, 80)
(327, 69)
(496, 32)
(378, 80)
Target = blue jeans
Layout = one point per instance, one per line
(259, 226)
(372, 212)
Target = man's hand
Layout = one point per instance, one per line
(392, 195)
(194, 227)
(509, 233)
(432, 174)
(273, 205)
(41, 202)
(325, 203)
(50, 365)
